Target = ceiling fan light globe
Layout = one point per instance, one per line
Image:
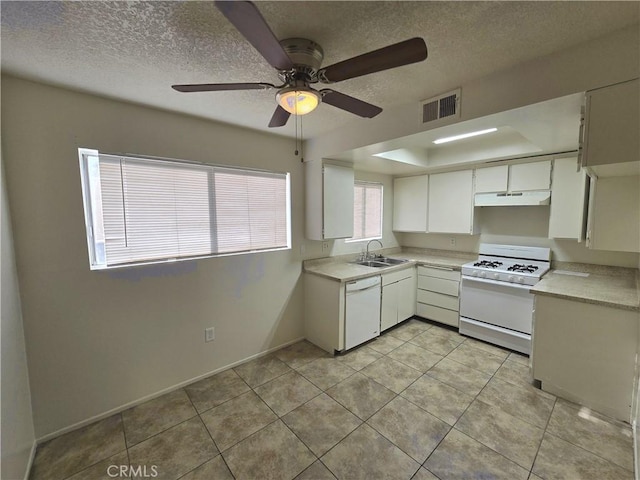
(298, 101)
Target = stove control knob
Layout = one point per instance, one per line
(483, 274)
(496, 276)
(474, 273)
(511, 278)
(521, 279)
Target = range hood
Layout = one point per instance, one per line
(542, 197)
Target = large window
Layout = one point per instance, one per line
(141, 210)
(367, 211)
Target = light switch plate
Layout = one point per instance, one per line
(209, 334)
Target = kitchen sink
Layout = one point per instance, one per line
(380, 262)
(372, 263)
(392, 261)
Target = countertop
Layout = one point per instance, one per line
(340, 268)
(607, 286)
(600, 285)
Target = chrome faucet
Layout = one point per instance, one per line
(369, 243)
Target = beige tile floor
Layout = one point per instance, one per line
(419, 402)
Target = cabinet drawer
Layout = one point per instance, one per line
(438, 314)
(438, 300)
(396, 276)
(439, 273)
(438, 285)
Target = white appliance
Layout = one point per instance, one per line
(495, 303)
(362, 311)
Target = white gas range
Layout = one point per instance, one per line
(495, 303)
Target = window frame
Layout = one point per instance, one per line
(91, 190)
(368, 239)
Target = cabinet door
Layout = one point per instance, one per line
(492, 179)
(612, 124)
(337, 201)
(530, 176)
(410, 196)
(614, 214)
(389, 310)
(451, 202)
(568, 202)
(406, 298)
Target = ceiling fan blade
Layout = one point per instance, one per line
(396, 55)
(246, 17)
(350, 104)
(279, 118)
(218, 87)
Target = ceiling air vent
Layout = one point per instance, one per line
(441, 108)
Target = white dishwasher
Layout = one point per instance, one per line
(362, 311)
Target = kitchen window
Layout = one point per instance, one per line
(367, 211)
(147, 210)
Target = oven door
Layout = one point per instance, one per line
(498, 303)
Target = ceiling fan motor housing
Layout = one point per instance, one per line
(305, 54)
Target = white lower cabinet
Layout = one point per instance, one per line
(324, 300)
(339, 315)
(398, 297)
(586, 353)
(438, 294)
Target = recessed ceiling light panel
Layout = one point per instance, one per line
(463, 135)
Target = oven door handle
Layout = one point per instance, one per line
(495, 282)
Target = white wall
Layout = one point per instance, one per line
(99, 340)
(17, 438)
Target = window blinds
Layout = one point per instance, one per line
(367, 210)
(154, 210)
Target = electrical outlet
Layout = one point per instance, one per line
(209, 334)
(325, 247)
(452, 241)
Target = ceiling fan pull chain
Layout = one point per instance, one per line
(296, 134)
(301, 143)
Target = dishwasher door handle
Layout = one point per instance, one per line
(351, 292)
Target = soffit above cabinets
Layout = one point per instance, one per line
(547, 127)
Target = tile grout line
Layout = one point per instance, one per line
(546, 425)
(465, 410)
(211, 437)
(583, 448)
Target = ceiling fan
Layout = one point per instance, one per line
(298, 61)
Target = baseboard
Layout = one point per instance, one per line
(32, 455)
(146, 398)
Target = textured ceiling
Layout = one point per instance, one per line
(134, 51)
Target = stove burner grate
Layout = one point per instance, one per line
(487, 264)
(522, 268)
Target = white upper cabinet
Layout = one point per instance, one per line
(410, 197)
(492, 179)
(450, 208)
(329, 201)
(568, 200)
(611, 125)
(614, 214)
(521, 177)
(530, 176)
